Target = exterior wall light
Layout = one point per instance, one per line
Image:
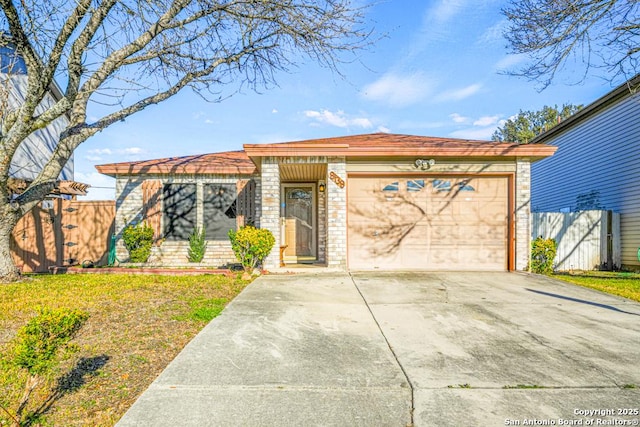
(424, 164)
(321, 186)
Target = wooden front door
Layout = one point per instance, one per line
(299, 218)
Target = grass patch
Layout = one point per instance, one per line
(466, 385)
(626, 285)
(136, 326)
(204, 310)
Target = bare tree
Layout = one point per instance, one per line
(130, 54)
(602, 34)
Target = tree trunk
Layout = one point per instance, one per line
(8, 220)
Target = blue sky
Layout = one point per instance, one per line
(436, 73)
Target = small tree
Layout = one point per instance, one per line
(529, 124)
(251, 245)
(138, 240)
(197, 245)
(37, 345)
(543, 253)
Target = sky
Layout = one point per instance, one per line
(437, 70)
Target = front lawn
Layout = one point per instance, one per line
(137, 325)
(617, 283)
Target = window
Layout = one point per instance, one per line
(464, 186)
(179, 210)
(392, 187)
(415, 185)
(219, 209)
(440, 185)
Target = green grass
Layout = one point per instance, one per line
(137, 325)
(626, 285)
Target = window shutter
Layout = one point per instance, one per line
(152, 206)
(246, 202)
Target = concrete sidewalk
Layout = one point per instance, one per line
(289, 350)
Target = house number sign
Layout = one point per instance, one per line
(335, 178)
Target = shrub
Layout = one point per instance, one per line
(543, 252)
(37, 344)
(251, 245)
(138, 240)
(197, 245)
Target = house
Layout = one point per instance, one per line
(375, 201)
(597, 165)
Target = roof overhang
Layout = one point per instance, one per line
(388, 145)
(64, 187)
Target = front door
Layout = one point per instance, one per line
(299, 220)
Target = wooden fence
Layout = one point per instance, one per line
(587, 240)
(62, 233)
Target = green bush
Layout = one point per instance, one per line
(36, 347)
(543, 253)
(251, 245)
(197, 245)
(138, 240)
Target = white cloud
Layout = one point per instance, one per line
(384, 129)
(102, 187)
(486, 121)
(445, 11)
(93, 158)
(509, 62)
(458, 118)
(474, 133)
(274, 111)
(208, 121)
(399, 90)
(100, 151)
(132, 150)
(459, 94)
(338, 119)
(493, 34)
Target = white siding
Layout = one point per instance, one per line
(601, 154)
(36, 150)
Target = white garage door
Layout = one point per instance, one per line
(428, 223)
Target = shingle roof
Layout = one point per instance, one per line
(230, 162)
(367, 145)
(389, 145)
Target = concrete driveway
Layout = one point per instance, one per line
(432, 349)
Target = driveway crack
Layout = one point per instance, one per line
(395, 356)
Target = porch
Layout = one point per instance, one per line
(305, 211)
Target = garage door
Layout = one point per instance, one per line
(430, 223)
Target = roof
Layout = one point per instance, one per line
(396, 145)
(367, 145)
(230, 162)
(628, 88)
(73, 188)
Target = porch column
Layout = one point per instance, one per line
(523, 213)
(336, 213)
(270, 218)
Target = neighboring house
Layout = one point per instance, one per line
(33, 154)
(597, 165)
(53, 232)
(377, 201)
